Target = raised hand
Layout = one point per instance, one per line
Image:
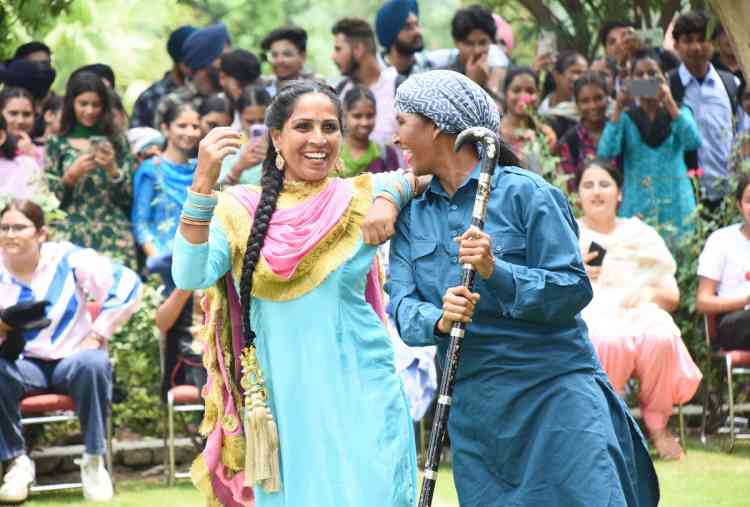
(220, 142)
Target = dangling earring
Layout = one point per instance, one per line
(280, 161)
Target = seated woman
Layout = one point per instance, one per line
(245, 166)
(724, 276)
(360, 153)
(628, 319)
(68, 356)
(21, 176)
(520, 126)
(160, 188)
(652, 137)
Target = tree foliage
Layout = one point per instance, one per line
(577, 22)
(24, 19)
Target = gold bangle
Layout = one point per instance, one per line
(190, 221)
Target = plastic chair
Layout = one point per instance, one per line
(736, 362)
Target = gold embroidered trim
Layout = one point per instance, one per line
(294, 193)
(233, 450)
(328, 255)
(202, 481)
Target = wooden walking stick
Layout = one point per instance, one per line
(489, 141)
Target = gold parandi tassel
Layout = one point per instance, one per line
(261, 435)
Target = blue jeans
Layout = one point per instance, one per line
(86, 376)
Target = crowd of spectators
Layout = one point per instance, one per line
(643, 135)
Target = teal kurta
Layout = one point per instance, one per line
(656, 186)
(534, 421)
(344, 427)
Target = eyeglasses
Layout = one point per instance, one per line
(16, 228)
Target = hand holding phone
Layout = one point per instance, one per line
(647, 88)
(547, 44)
(257, 131)
(600, 251)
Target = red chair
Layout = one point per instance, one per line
(736, 362)
(54, 408)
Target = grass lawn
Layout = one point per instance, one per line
(706, 477)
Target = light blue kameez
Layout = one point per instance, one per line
(344, 426)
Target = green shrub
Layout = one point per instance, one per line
(135, 358)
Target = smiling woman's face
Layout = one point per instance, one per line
(416, 136)
(310, 139)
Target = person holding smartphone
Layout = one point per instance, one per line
(651, 133)
(89, 165)
(632, 273)
(244, 167)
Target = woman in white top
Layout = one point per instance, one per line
(634, 291)
(724, 276)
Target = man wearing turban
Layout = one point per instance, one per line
(201, 54)
(397, 28)
(146, 104)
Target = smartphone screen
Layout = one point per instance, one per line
(257, 131)
(547, 43)
(601, 252)
(644, 88)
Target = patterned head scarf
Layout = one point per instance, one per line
(453, 101)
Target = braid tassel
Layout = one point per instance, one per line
(261, 434)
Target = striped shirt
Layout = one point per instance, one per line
(68, 276)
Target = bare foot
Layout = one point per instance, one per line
(667, 445)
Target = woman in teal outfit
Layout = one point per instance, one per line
(302, 277)
(652, 138)
(533, 420)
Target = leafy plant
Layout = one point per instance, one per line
(134, 351)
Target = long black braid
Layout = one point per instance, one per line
(271, 183)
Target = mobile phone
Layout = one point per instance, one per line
(257, 130)
(95, 142)
(648, 88)
(547, 43)
(651, 37)
(601, 252)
